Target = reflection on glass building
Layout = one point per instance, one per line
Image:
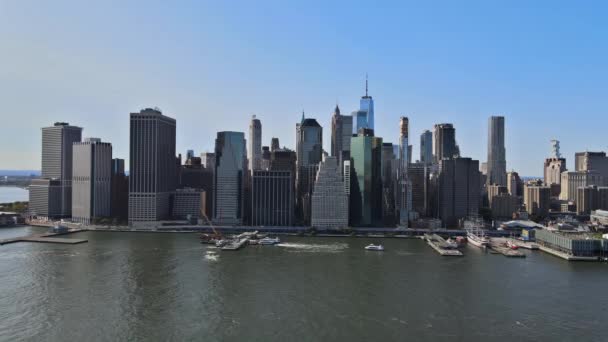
(229, 178)
(366, 191)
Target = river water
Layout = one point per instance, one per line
(162, 287)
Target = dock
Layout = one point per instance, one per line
(46, 238)
(524, 244)
(566, 256)
(499, 245)
(440, 246)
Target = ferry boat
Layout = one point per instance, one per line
(373, 247)
(269, 241)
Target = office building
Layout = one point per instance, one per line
(272, 202)
(389, 162)
(45, 199)
(404, 185)
(57, 142)
(309, 149)
(515, 186)
(418, 174)
(537, 199)
(341, 132)
(329, 200)
(495, 190)
(152, 166)
(366, 196)
(504, 206)
(364, 117)
(458, 190)
(265, 161)
(119, 191)
(572, 180)
(426, 147)
(187, 204)
(444, 142)
(229, 178)
(255, 144)
(274, 144)
(497, 163)
(91, 181)
(592, 161)
(208, 160)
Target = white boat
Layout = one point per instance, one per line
(373, 247)
(475, 233)
(269, 241)
(450, 243)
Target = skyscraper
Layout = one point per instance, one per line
(152, 166)
(329, 199)
(459, 189)
(274, 144)
(309, 149)
(497, 163)
(341, 132)
(426, 147)
(57, 142)
(364, 117)
(404, 187)
(272, 198)
(554, 166)
(596, 161)
(119, 191)
(366, 195)
(444, 142)
(229, 178)
(92, 180)
(255, 144)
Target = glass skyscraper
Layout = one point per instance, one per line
(364, 117)
(366, 195)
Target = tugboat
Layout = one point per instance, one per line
(372, 247)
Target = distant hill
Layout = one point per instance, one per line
(19, 172)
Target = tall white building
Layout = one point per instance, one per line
(329, 198)
(254, 152)
(91, 180)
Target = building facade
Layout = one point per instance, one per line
(329, 199)
(572, 180)
(272, 202)
(497, 162)
(91, 181)
(537, 199)
(341, 132)
(187, 203)
(255, 144)
(444, 142)
(152, 166)
(458, 190)
(366, 156)
(229, 178)
(426, 147)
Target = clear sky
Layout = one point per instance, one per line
(211, 65)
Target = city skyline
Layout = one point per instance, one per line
(199, 79)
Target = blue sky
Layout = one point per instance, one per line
(211, 65)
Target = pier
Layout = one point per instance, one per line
(46, 238)
(500, 245)
(441, 246)
(524, 244)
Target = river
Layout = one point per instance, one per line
(163, 286)
(9, 194)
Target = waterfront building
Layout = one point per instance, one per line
(272, 202)
(329, 199)
(366, 156)
(458, 190)
(229, 178)
(341, 132)
(309, 150)
(274, 144)
(91, 181)
(572, 180)
(119, 191)
(572, 243)
(444, 142)
(187, 203)
(537, 199)
(364, 117)
(426, 147)
(45, 199)
(255, 144)
(57, 157)
(152, 166)
(497, 163)
(515, 186)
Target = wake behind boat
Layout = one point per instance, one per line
(372, 247)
